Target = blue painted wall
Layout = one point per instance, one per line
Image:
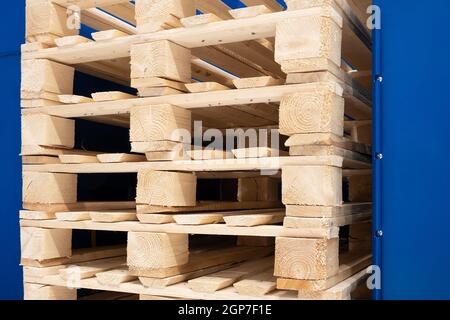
(12, 30)
(415, 141)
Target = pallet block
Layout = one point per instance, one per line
(159, 123)
(258, 189)
(44, 76)
(33, 291)
(308, 44)
(45, 130)
(162, 188)
(163, 59)
(49, 188)
(312, 185)
(315, 112)
(154, 15)
(43, 244)
(156, 250)
(46, 21)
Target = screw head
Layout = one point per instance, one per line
(379, 156)
(380, 79)
(379, 233)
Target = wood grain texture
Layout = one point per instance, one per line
(47, 188)
(43, 244)
(150, 251)
(166, 188)
(309, 259)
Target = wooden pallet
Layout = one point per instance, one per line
(230, 69)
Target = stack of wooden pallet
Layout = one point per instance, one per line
(303, 73)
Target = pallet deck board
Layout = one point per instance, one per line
(214, 229)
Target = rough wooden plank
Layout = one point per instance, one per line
(113, 216)
(257, 82)
(205, 87)
(111, 96)
(108, 35)
(222, 279)
(77, 158)
(73, 99)
(71, 41)
(199, 19)
(91, 268)
(80, 206)
(257, 285)
(119, 157)
(249, 12)
(73, 216)
(254, 219)
(45, 130)
(36, 215)
(328, 212)
(168, 281)
(115, 277)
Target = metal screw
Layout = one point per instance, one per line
(379, 233)
(379, 156)
(380, 79)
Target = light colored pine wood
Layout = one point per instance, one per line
(222, 279)
(159, 122)
(45, 76)
(295, 222)
(258, 152)
(351, 263)
(328, 212)
(46, 19)
(307, 44)
(45, 130)
(179, 154)
(89, 269)
(42, 244)
(113, 216)
(254, 219)
(73, 216)
(166, 188)
(220, 216)
(155, 251)
(249, 12)
(257, 82)
(207, 258)
(149, 146)
(211, 229)
(205, 87)
(168, 281)
(307, 259)
(196, 20)
(80, 206)
(111, 96)
(163, 59)
(158, 91)
(162, 12)
(108, 35)
(206, 154)
(202, 206)
(312, 113)
(312, 185)
(37, 103)
(257, 285)
(151, 82)
(341, 291)
(119, 157)
(78, 256)
(115, 277)
(73, 99)
(33, 291)
(40, 187)
(77, 158)
(71, 41)
(39, 160)
(36, 215)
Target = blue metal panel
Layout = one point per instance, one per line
(12, 30)
(414, 139)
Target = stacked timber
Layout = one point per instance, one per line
(250, 148)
